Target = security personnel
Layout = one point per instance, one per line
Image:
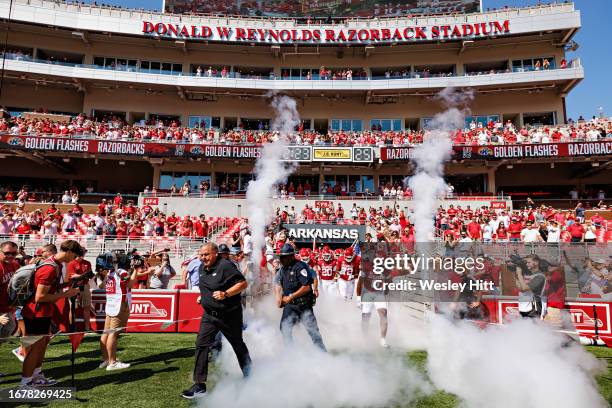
(294, 294)
(224, 251)
(220, 287)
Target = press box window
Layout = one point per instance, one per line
(348, 125)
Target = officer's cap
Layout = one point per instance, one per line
(223, 249)
(287, 249)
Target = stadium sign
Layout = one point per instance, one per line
(325, 233)
(364, 154)
(331, 35)
(524, 151)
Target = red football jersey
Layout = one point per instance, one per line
(327, 270)
(348, 270)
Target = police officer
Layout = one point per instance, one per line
(220, 287)
(294, 294)
(224, 251)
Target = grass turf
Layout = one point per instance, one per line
(161, 368)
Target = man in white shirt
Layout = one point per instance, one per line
(69, 222)
(573, 194)
(554, 232)
(505, 219)
(530, 234)
(247, 244)
(66, 198)
(99, 221)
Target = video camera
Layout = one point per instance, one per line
(79, 281)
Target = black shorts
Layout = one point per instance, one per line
(38, 325)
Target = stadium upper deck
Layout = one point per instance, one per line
(348, 75)
(138, 65)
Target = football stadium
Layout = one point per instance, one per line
(402, 181)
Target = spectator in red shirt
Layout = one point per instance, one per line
(474, 230)
(118, 200)
(171, 224)
(23, 228)
(576, 231)
(136, 230)
(514, 230)
(38, 311)
(102, 208)
(201, 227)
(80, 266)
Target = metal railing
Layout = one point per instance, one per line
(141, 13)
(273, 77)
(322, 197)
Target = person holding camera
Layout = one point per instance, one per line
(37, 312)
(531, 283)
(77, 269)
(162, 273)
(118, 285)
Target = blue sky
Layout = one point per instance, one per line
(595, 51)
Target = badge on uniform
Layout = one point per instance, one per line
(214, 274)
(304, 273)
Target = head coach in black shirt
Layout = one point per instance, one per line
(220, 287)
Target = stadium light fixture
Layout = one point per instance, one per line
(510, 167)
(122, 163)
(595, 164)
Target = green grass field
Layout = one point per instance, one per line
(161, 368)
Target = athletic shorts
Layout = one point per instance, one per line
(38, 325)
(6, 330)
(114, 322)
(368, 307)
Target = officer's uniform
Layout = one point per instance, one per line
(223, 316)
(290, 279)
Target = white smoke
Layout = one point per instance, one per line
(427, 183)
(521, 364)
(270, 171)
(356, 371)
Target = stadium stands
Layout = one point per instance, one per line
(491, 133)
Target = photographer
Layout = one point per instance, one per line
(77, 269)
(38, 311)
(118, 284)
(161, 274)
(531, 282)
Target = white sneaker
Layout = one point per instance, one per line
(28, 386)
(117, 365)
(103, 364)
(42, 381)
(18, 354)
(383, 343)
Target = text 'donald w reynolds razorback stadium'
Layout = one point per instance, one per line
(400, 179)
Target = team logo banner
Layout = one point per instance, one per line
(571, 149)
(325, 233)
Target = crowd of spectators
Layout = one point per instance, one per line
(113, 219)
(475, 133)
(531, 223)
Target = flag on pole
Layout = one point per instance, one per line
(75, 340)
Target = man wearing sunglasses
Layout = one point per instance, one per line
(8, 266)
(37, 311)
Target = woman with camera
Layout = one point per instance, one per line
(118, 283)
(161, 275)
